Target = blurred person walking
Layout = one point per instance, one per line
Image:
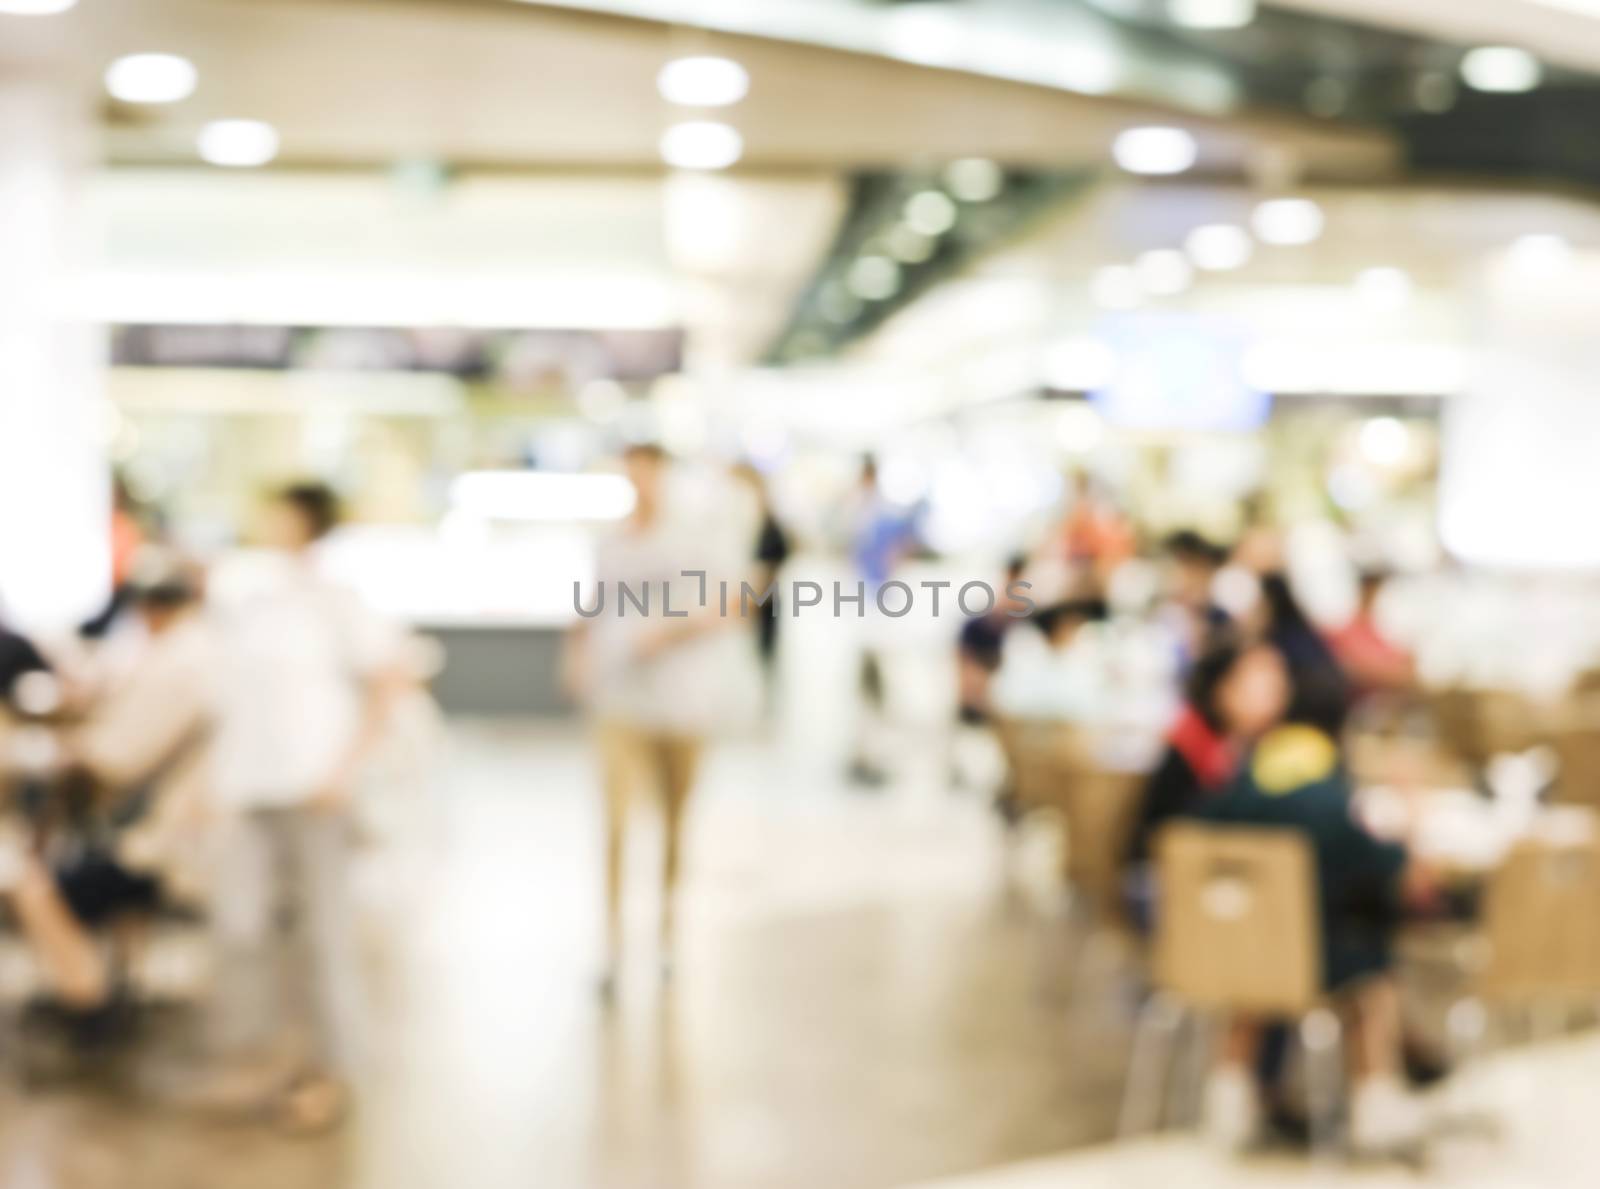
(881, 533)
(306, 681)
(772, 550)
(640, 663)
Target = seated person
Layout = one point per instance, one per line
(1233, 695)
(137, 762)
(1373, 661)
(1295, 779)
(18, 657)
(980, 644)
(1060, 672)
(1190, 611)
(1321, 689)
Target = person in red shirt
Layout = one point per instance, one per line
(1373, 662)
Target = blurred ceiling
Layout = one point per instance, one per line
(854, 105)
(499, 84)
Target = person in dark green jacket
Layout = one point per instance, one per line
(1296, 779)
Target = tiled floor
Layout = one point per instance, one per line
(856, 1004)
(1543, 1136)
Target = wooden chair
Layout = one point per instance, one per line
(1540, 952)
(1542, 923)
(1236, 931)
(1578, 755)
(1053, 766)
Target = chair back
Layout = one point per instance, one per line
(1053, 765)
(1236, 924)
(1542, 922)
(1578, 775)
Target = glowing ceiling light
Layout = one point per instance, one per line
(34, 8)
(151, 78)
(1502, 69)
(1287, 221)
(927, 33)
(1155, 150)
(1079, 365)
(1115, 287)
(1164, 271)
(874, 278)
(1385, 441)
(974, 179)
(701, 144)
(910, 246)
(1540, 255)
(1219, 247)
(1384, 290)
(931, 212)
(1211, 14)
(542, 496)
(703, 81)
(238, 143)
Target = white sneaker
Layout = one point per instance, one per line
(1385, 1118)
(1230, 1110)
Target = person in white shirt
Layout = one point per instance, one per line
(139, 754)
(306, 678)
(650, 678)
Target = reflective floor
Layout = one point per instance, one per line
(856, 1002)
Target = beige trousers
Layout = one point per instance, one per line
(635, 762)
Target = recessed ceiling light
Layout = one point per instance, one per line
(1089, 69)
(1503, 69)
(703, 81)
(874, 278)
(1155, 150)
(34, 8)
(151, 78)
(1078, 365)
(1385, 441)
(1164, 272)
(240, 143)
(1384, 290)
(910, 246)
(931, 212)
(1540, 254)
(926, 33)
(1212, 14)
(1287, 221)
(1219, 247)
(974, 179)
(1115, 287)
(701, 144)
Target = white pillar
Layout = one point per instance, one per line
(54, 488)
(1520, 484)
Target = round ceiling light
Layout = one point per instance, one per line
(1287, 221)
(703, 81)
(238, 143)
(151, 78)
(701, 144)
(1501, 69)
(1155, 150)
